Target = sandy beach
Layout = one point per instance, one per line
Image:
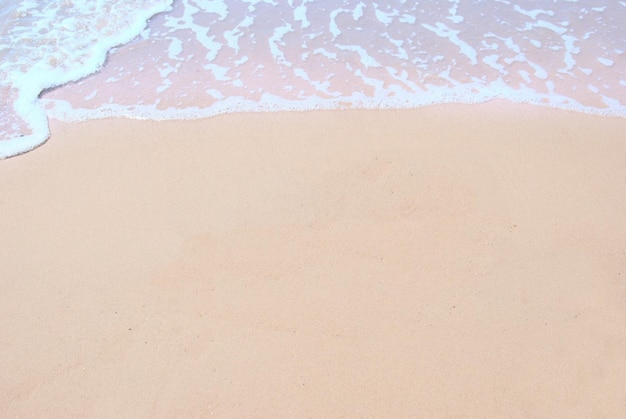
(453, 261)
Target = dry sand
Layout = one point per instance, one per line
(452, 261)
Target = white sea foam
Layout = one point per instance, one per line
(204, 58)
(606, 61)
(445, 32)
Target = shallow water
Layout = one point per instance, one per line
(202, 58)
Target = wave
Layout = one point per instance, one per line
(203, 58)
(47, 44)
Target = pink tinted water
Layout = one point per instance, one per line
(256, 55)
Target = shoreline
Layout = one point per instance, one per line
(448, 260)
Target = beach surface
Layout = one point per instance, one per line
(452, 261)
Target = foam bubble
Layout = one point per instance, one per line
(606, 61)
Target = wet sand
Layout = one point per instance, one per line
(450, 261)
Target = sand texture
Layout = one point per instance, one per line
(447, 262)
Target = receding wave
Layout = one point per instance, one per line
(203, 58)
